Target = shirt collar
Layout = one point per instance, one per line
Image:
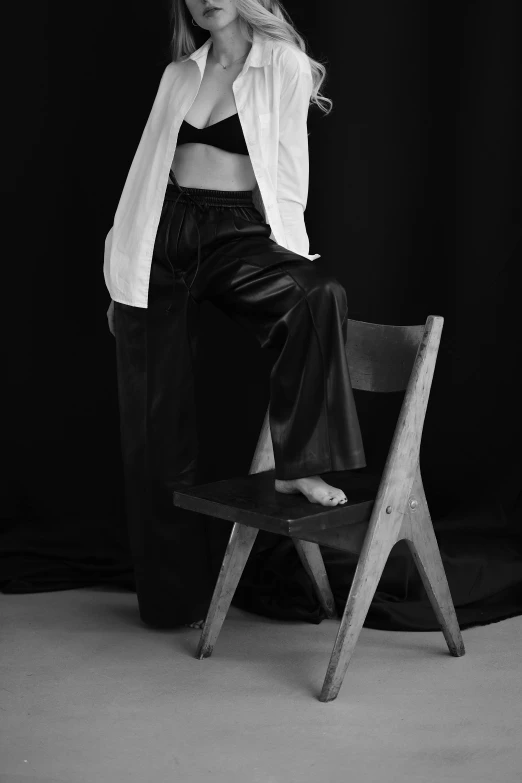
(259, 55)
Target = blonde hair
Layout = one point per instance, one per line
(266, 17)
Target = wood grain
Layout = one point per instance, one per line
(380, 510)
(239, 546)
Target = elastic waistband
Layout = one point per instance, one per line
(216, 198)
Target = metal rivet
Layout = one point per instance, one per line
(413, 503)
(388, 509)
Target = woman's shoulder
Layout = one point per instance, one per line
(174, 71)
(290, 58)
(173, 68)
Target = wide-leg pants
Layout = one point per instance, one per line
(216, 246)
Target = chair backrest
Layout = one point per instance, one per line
(381, 357)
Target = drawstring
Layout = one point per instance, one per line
(199, 205)
(238, 199)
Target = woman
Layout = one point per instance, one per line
(212, 208)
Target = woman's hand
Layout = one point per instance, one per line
(110, 317)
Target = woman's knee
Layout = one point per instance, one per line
(319, 287)
(328, 288)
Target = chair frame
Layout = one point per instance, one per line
(400, 511)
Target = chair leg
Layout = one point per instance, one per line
(426, 554)
(369, 569)
(312, 560)
(239, 546)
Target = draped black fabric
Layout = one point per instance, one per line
(414, 206)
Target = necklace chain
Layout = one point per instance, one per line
(232, 63)
(235, 61)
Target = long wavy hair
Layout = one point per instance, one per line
(268, 18)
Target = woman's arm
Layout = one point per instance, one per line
(293, 167)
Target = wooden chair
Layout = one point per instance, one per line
(381, 359)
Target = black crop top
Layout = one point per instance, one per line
(226, 134)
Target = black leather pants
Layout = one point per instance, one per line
(215, 245)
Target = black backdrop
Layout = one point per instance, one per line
(414, 205)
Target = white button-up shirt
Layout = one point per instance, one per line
(272, 95)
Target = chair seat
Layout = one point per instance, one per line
(252, 500)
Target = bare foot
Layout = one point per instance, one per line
(313, 488)
(197, 624)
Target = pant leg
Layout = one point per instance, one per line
(155, 374)
(292, 306)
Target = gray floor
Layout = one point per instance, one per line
(90, 695)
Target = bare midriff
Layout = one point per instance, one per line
(204, 166)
